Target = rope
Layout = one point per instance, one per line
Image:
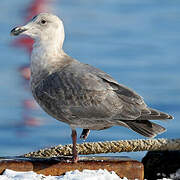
(109, 147)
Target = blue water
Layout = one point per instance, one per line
(137, 42)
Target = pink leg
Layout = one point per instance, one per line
(74, 150)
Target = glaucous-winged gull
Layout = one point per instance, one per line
(79, 94)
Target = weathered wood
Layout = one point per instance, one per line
(123, 166)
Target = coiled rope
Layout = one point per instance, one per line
(109, 147)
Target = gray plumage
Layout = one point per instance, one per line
(79, 94)
(86, 97)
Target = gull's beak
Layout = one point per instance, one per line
(18, 30)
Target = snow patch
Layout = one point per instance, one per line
(71, 175)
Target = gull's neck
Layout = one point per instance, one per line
(44, 57)
(44, 49)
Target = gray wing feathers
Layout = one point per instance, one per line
(90, 92)
(134, 106)
(155, 115)
(145, 127)
(122, 91)
(129, 103)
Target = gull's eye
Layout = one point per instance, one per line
(43, 21)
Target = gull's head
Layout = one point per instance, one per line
(43, 27)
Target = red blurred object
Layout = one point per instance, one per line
(32, 121)
(35, 8)
(25, 72)
(30, 104)
(24, 42)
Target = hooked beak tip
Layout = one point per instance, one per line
(17, 30)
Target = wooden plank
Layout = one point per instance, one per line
(123, 166)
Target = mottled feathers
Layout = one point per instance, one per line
(86, 97)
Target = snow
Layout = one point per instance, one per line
(71, 175)
(175, 175)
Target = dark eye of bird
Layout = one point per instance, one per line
(43, 21)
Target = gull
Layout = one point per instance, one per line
(79, 94)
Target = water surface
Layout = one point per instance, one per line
(137, 42)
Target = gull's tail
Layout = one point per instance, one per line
(143, 126)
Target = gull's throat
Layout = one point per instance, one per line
(44, 56)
